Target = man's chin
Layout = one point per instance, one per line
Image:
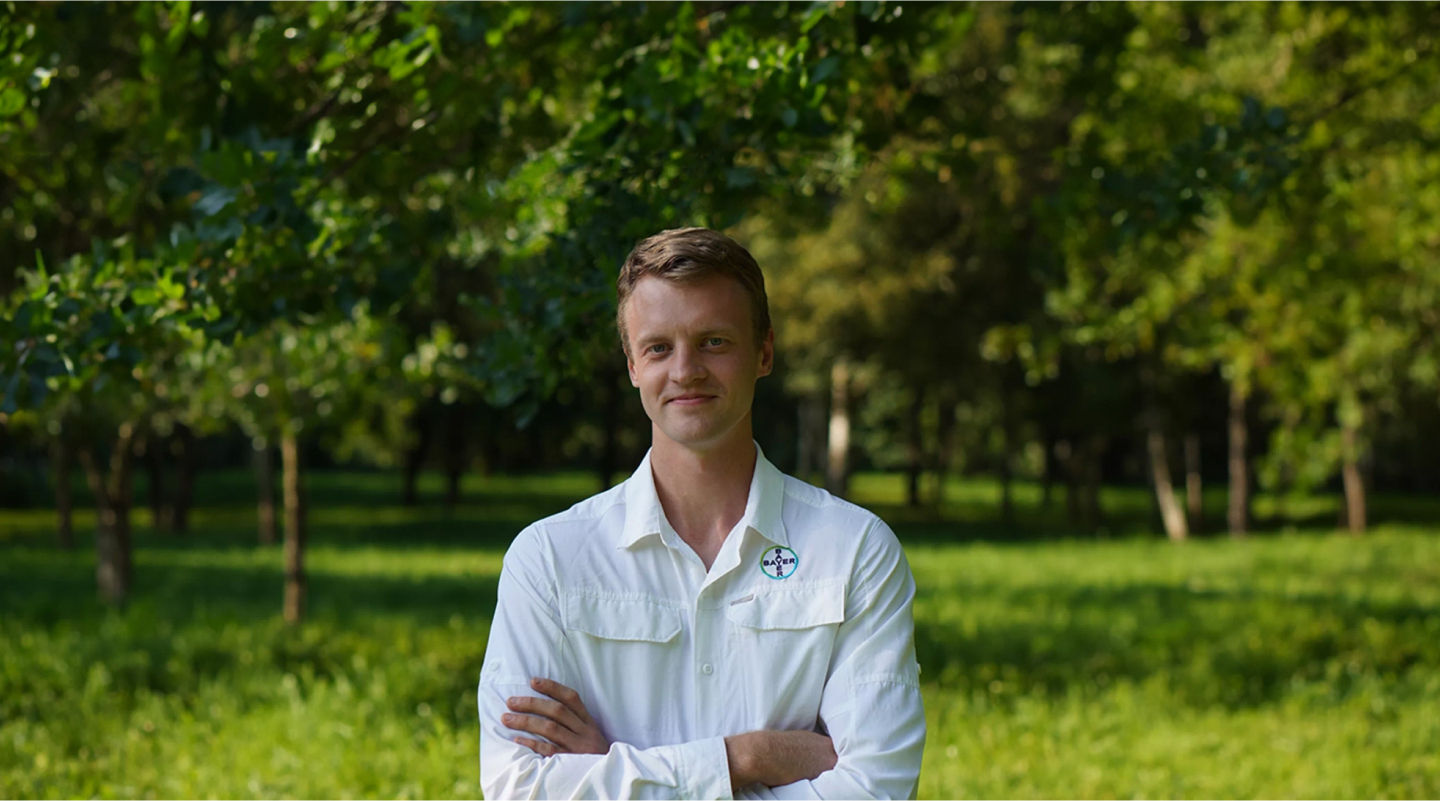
(696, 438)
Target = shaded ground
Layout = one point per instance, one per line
(1075, 667)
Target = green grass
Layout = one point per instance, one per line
(1291, 664)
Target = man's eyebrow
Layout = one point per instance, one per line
(649, 339)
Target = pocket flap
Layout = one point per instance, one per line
(792, 606)
(611, 618)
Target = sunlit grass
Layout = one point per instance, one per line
(1284, 665)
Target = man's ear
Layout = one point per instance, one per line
(630, 368)
(767, 353)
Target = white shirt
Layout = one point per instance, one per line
(670, 658)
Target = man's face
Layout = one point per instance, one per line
(694, 358)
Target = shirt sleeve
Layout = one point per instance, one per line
(527, 640)
(871, 704)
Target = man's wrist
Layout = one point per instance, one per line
(740, 753)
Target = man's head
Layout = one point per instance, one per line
(689, 255)
(696, 329)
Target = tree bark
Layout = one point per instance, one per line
(415, 457)
(1007, 458)
(1069, 457)
(915, 449)
(265, 492)
(1091, 511)
(837, 468)
(1237, 514)
(294, 529)
(610, 432)
(1047, 471)
(944, 446)
(112, 491)
(810, 413)
(155, 469)
(455, 455)
(1354, 484)
(183, 449)
(1194, 497)
(1170, 513)
(60, 456)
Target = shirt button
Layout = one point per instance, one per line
(707, 669)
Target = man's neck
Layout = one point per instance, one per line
(703, 493)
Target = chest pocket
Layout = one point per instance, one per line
(617, 618)
(622, 647)
(791, 607)
(781, 642)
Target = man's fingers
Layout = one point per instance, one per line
(564, 695)
(541, 748)
(545, 708)
(544, 727)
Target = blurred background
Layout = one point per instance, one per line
(1126, 317)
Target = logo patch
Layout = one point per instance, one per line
(779, 562)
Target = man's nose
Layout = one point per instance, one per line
(687, 367)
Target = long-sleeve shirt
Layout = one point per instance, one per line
(802, 622)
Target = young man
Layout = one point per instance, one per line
(711, 627)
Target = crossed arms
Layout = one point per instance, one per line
(553, 747)
(768, 758)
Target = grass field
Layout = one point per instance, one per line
(1297, 663)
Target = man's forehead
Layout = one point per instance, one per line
(713, 300)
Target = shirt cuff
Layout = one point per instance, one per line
(706, 769)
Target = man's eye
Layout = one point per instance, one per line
(715, 342)
(657, 348)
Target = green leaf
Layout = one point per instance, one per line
(825, 68)
(12, 100)
(213, 201)
(9, 404)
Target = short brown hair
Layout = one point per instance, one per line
(690, 254)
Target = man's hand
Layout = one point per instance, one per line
(560, 717)
(773, 758)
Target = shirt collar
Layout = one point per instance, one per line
(644, 517)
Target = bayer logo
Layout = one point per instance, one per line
(779, 562)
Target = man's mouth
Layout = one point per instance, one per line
(690, 400)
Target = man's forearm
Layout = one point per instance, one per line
(773, 758)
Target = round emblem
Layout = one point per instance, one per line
(779, 562)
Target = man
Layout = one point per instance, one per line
(710, 627)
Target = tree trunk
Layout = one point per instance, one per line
(415, 457)
(944, 447)
(155, 469)
(1068, 456)
(60, 455)
(1170, 513)
(183, 449)
(112, 491)
(1047, 471)
(837, 468)
(1354, 484)
(610, 432)
(809, 415)
(915, 450)
(1091, 510)
(1194, 497)
(294, 528)
(265, 491)
(1237, 514)
(1007, 458)
(455, 455)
